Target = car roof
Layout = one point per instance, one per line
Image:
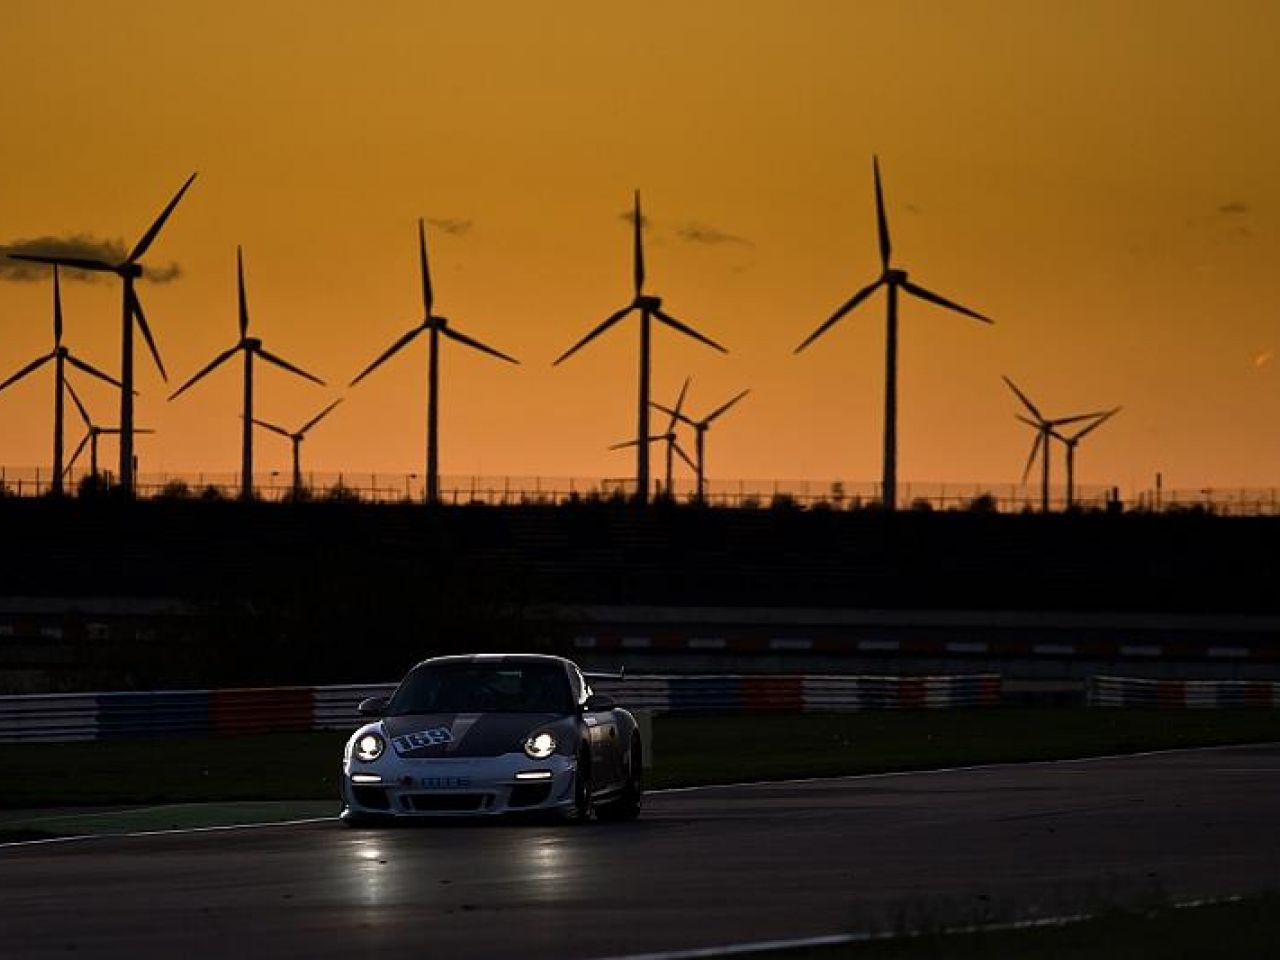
(496, 659)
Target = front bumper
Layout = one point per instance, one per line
(466, 787)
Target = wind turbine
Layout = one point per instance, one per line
(649, 308)
(434, 326)
(60, 356)
(1070, 442)
(669, 435)
(251, 347)
(129, 270)
(296, 439)
(700, 428)
(892, 280)
(1045, 429)
(93, 432)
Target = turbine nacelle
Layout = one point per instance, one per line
(895, 276)
(129, 271)
(648, 303)
(438, 323)
(252, 343)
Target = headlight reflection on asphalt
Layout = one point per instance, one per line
(373, 874)
(545, 866)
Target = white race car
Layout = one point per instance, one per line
(493, 734)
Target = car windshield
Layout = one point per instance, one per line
(503, 687)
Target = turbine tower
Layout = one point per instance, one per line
(892, 280)
(668, 435)
(296, 438)
(60, 356)
(650, 308)
(700, 428)
(1045, 430)
(434, 326)
(251, 347)
(1071, 442)
(129, 270)
(92, 432)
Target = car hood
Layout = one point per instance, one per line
(433, 735)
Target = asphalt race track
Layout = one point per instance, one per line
(701, 868)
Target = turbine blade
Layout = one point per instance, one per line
(675, 413)
(1026, 401)
(286, 365)
(1096, 423)
(924, 294)
(427, 298)
(138, 430)
(150, 235)
(624, 443)
(849, 304)
(79, 263)
(386, 354)
(318, 417)
(601, 328)
(687, 330)
(882, 222)
(75, 454)
(1030, 423)
(679, 416)
(242, 298)
(93, 371)
(1035, 449)
(1061, 421)
(477, 345)
(29, 368)
(136, 307)
(272, 427)
(75, 398)
(57, 308)
(639, 246)
(723, 408)
(205, 371)
(683, 456)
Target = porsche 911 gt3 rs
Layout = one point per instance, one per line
(491, 734)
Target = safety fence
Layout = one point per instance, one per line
(795, 693)
(52, 718)
(1135, 692)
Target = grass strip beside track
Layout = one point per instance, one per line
(688, 750)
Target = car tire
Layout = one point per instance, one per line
(627, 805)
(584, 804)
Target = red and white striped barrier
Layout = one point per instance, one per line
(1136, 692)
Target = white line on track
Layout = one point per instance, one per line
(845, 939)
(162, 833)
(666, 790)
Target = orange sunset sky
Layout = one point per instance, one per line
(1101, 177)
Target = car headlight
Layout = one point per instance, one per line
(369, 747)
(540, 745)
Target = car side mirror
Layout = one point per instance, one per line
(598, 701)
(373, 707)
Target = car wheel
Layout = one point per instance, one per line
(584, 805)
(627, 806)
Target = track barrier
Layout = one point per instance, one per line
(1135, 692)
(51, 718)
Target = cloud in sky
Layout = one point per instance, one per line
(83, 245)
(451, 225)
(712, 236)
(1264, 359)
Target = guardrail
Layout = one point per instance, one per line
(51, 718)
(1136, 692)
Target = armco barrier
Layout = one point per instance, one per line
(1135, 692)
(812, 694)
(112, 716)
